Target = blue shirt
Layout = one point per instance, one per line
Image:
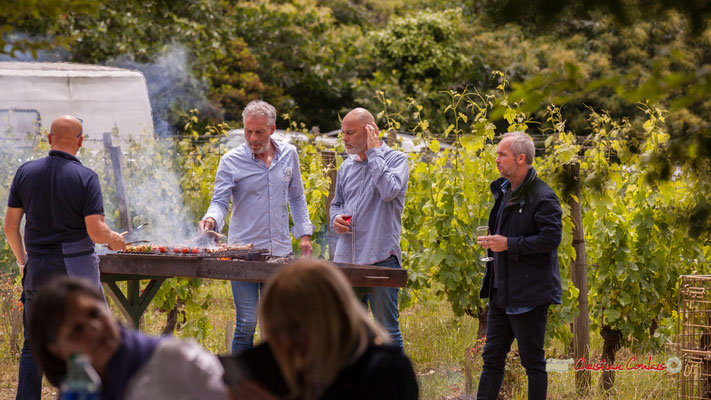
(56, 193)
(375, 190)
(259, 198)
(133, 352)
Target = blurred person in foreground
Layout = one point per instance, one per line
(523, 279)
(69, 316)
(61, 200)
(326, 345)
(371, 186)
(260, 177)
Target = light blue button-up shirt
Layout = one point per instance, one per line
(259, 198)
(375, 190)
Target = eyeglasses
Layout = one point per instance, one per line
(81, 130)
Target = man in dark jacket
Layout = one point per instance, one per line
(523, 279)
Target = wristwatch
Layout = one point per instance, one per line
(19, 264)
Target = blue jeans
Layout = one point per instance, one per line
(384, 304)
(246, 298)
(529, 330)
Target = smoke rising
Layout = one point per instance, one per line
(155, 195)
(172, 87)
(152, 182)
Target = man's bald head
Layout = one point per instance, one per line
(363, 116)
(66, 126)
(66, 134)
(359, 128)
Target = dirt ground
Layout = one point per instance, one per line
(8, 384)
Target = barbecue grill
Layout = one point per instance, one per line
(237, 265)
(251, 255)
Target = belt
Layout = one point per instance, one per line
(79, 248)
(50, 252)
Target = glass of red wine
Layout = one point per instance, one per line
(347, 214)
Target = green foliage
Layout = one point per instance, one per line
(304, 54)
(235, 80)
(34, 13)
(198, 155)
(316, 184)
(447, 199)
(636, 226)
(546, 13)
(16, 153)
(636, 231)
(645, 172)
(11, 309)
(141, 29)
(423, 46)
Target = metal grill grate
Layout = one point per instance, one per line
(253, 254)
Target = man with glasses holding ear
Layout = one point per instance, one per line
(366, 210)
(61, 200)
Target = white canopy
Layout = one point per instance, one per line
(32, 94)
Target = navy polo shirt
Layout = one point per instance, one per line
(56, 193)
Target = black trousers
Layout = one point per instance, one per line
(529, 330)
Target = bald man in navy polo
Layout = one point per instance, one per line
(61, 200)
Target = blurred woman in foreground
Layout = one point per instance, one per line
(70, 316)
(324, 342)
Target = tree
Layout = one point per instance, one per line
(31, 15)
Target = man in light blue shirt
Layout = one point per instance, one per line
(370, 186)
(260, 177)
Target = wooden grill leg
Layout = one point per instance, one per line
(134, 303)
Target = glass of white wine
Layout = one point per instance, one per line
(483, 231)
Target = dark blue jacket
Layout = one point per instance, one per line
(532, 222)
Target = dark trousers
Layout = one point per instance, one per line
(29, 385)
(529, 330)
(39, 270)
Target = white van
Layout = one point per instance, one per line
(235, 137)
(32, 94)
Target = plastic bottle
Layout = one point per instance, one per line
(81, 382)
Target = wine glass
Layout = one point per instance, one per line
(483, 231)
(347, 214)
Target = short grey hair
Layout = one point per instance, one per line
(260, 108)
(521, 143)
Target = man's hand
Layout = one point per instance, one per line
(116, 242)
(371, 132)
(306, 246)
(340, 225)
(496, 243)
(207, 224)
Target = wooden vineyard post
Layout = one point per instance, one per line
(468, 371)
(328, 158)
(132, 286)
(117, 166)
(579, 275)
(392, 138)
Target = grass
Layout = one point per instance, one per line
(436, 341)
